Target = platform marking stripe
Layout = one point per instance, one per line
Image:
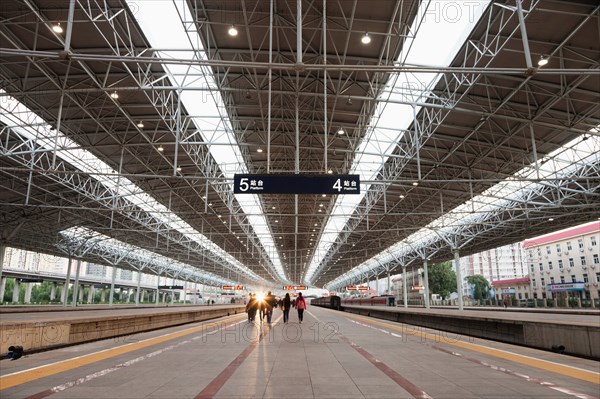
(24, 376)
(515, 374)
(408, 386)
(570, 371)
(219, 381)
(89, 377)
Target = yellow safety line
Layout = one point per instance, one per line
(25, 376)
(569, 371)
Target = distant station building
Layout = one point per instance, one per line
(566, 264)
(515, 288)
(503, 263)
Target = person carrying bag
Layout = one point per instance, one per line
(300, 307)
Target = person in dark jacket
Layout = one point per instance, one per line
(286, 304)
(251, 307)
(270, 303)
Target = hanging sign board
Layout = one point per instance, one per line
(294, 287)
(355, 288)
(233, 287)
(296, 184)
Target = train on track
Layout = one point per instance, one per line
(331, 302)
(335, 302)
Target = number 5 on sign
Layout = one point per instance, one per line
(244, 184)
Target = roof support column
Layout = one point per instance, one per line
(426, 282)
(404, 289)
(157, 295)
(16, 291)
(137, 290)
(524, 34)
(76, 285)
(458, 279)
(389, 287)
(112, 286)
(65, 293)
(2, 253)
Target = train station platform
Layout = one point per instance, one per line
(576, 333)
(331, 354)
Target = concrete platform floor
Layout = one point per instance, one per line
(330, 355)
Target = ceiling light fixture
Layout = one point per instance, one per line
(57, 28)
(366, 39)
(330, 171)
(415, 183)
(179, 168)
(160, 148)
(543, 60)
(259, 149)
(341, 131)
(114, 95)
(140, 124)
(232, 31)
(401, 196)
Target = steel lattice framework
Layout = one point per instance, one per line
(491, 116)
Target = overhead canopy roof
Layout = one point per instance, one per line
(439, 108)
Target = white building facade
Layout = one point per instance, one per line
(566, 263)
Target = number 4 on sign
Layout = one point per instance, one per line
(338, 185)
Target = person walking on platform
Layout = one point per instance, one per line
(261, 308)
(251, 308)
(300, 307)
(270, 303)
(286, 304)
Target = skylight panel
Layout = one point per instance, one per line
(31, 126)
(562, 162)
(428, 48)
(207, 108)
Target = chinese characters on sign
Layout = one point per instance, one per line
(296, 184)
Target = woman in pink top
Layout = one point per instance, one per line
(300, 306)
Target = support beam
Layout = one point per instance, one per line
(137, 290)
(524, 35)
(76, 285)
(112, 286)
(458, 279)
(16, 288)
(2, 253)
(28, 288)
(426, 283)
(404, 289)
(65, 291)
(52, 291)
